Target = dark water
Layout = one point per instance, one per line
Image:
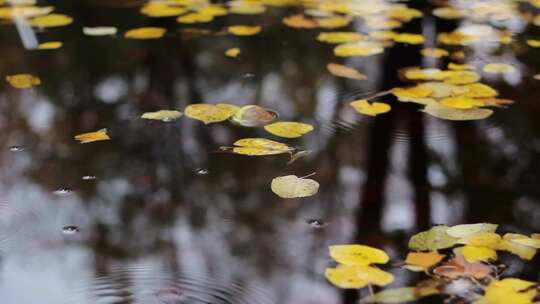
(159, 215)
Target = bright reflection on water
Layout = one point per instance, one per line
(160, 215)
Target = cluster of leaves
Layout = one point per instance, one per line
(463, 255)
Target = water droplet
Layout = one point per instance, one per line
(63, 191)
(316, 223)
(89, 177)
(16, 148)
(70, 229)
(202, 171)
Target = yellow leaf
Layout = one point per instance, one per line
(51, 45)
(145, 33)
(447, 113)
(209, 113)
(442, 90)
(344, 277)
(468, 230)
(498, 68)
(339, 37)
(476, 254)
(345, 71)
(409, 38)
(360, 48)
(378, 23)
(424, 260)
(424, 74)
(213, 10)
(333, 22)
(292, 186)
(533, 43)
(100, 30)
(460, 102)
(24, 11)
(232, 52)
(253, 116)
(412, 92)
(259, 147)
(23, 81)
(247, 8)
(362, 106)
(92, 136)
(299, 21)
(434, 52)
(195, 18)
(522, 240)
(357, 255)
(479, 90)
(162, 9)
(459, 67)
(51, 20)
(524, 252)
(382, 35)
(509, 290)
(289, 129)
(484, 239)
(448, 12)
(163, 115)
(244, 30)
(433, 239)
(456, 38)
(461, 77)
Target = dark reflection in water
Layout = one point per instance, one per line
(160, 215)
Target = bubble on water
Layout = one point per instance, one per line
(316, 223)
(16, 148)
(89, 177)
(201, 171)
(70, 229)
(63, 191)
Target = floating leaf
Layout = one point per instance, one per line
(524, 252)
(253, 116)
(509, 290)
(357, 255)
(461, 77)
(162, 9)
(51, 45)
(344, 276)
(409, 38)
(434, 52)
(362, 106)
(522, 240)
(432, 239)
(459, 267)
(414, 92)
(259, 147)
(423, 260)
(360, 48)
(92, 136)
(339, 37)
(443, 112)
(232, 52)
(476, 254)
(99, 31)
(483, 239)
(244, 30)
(460, 102)
(469, 230)
(145, 33)
(288, 129)
(333, 22)
(459, 67)
(51, 20)
(292, 186)
(345, 71)
(24, 11)
(479, 90)
(498, 68)
(209, 113)
(23, 81)
(163, 115)
(533, 43)
(299, 21)
(195, 18)
(247, 8)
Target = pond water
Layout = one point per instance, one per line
(160, 213)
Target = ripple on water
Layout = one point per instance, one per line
(143, 285)
(12, 222)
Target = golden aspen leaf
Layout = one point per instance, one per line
(460, 102)
(362, 106)
(259, 147)
(339, 37)
(195, 18)
(357, 255)
(345, 71)
(359, 48)
(288, 129)
(469, 230)
(459, 67)
(253, 116)
(374, 275)
(448, 12)
(333, 22)
(92, 136)
(432, 239)
(24, 11)
(424, 260)
(292, 186)
(522, 240)
(51, 20)
(51, 45)
(414, 92)
(479, 90)
(508, 290)
(434, 52)
(232, 52)
(447, 113)
(145, 33)
(524, 252)
(498, 68)
(163, 115)
(299, 21)
(247, 8)
(100, 30)
(209, 113)
(533, 43)
(483, 239)
(162, 9)
(23, 81)
(461, 77)
(344, 277)
(409, 38)
(476, 254)
(244, 30)
(424, 74)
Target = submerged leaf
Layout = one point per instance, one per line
(260, 146)
(362, 106)
(163, 115)
(23, 81)
(345, 71)
(209, 113)
(292, 186)
(253, 116)
(92, 136)
(288, 129)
